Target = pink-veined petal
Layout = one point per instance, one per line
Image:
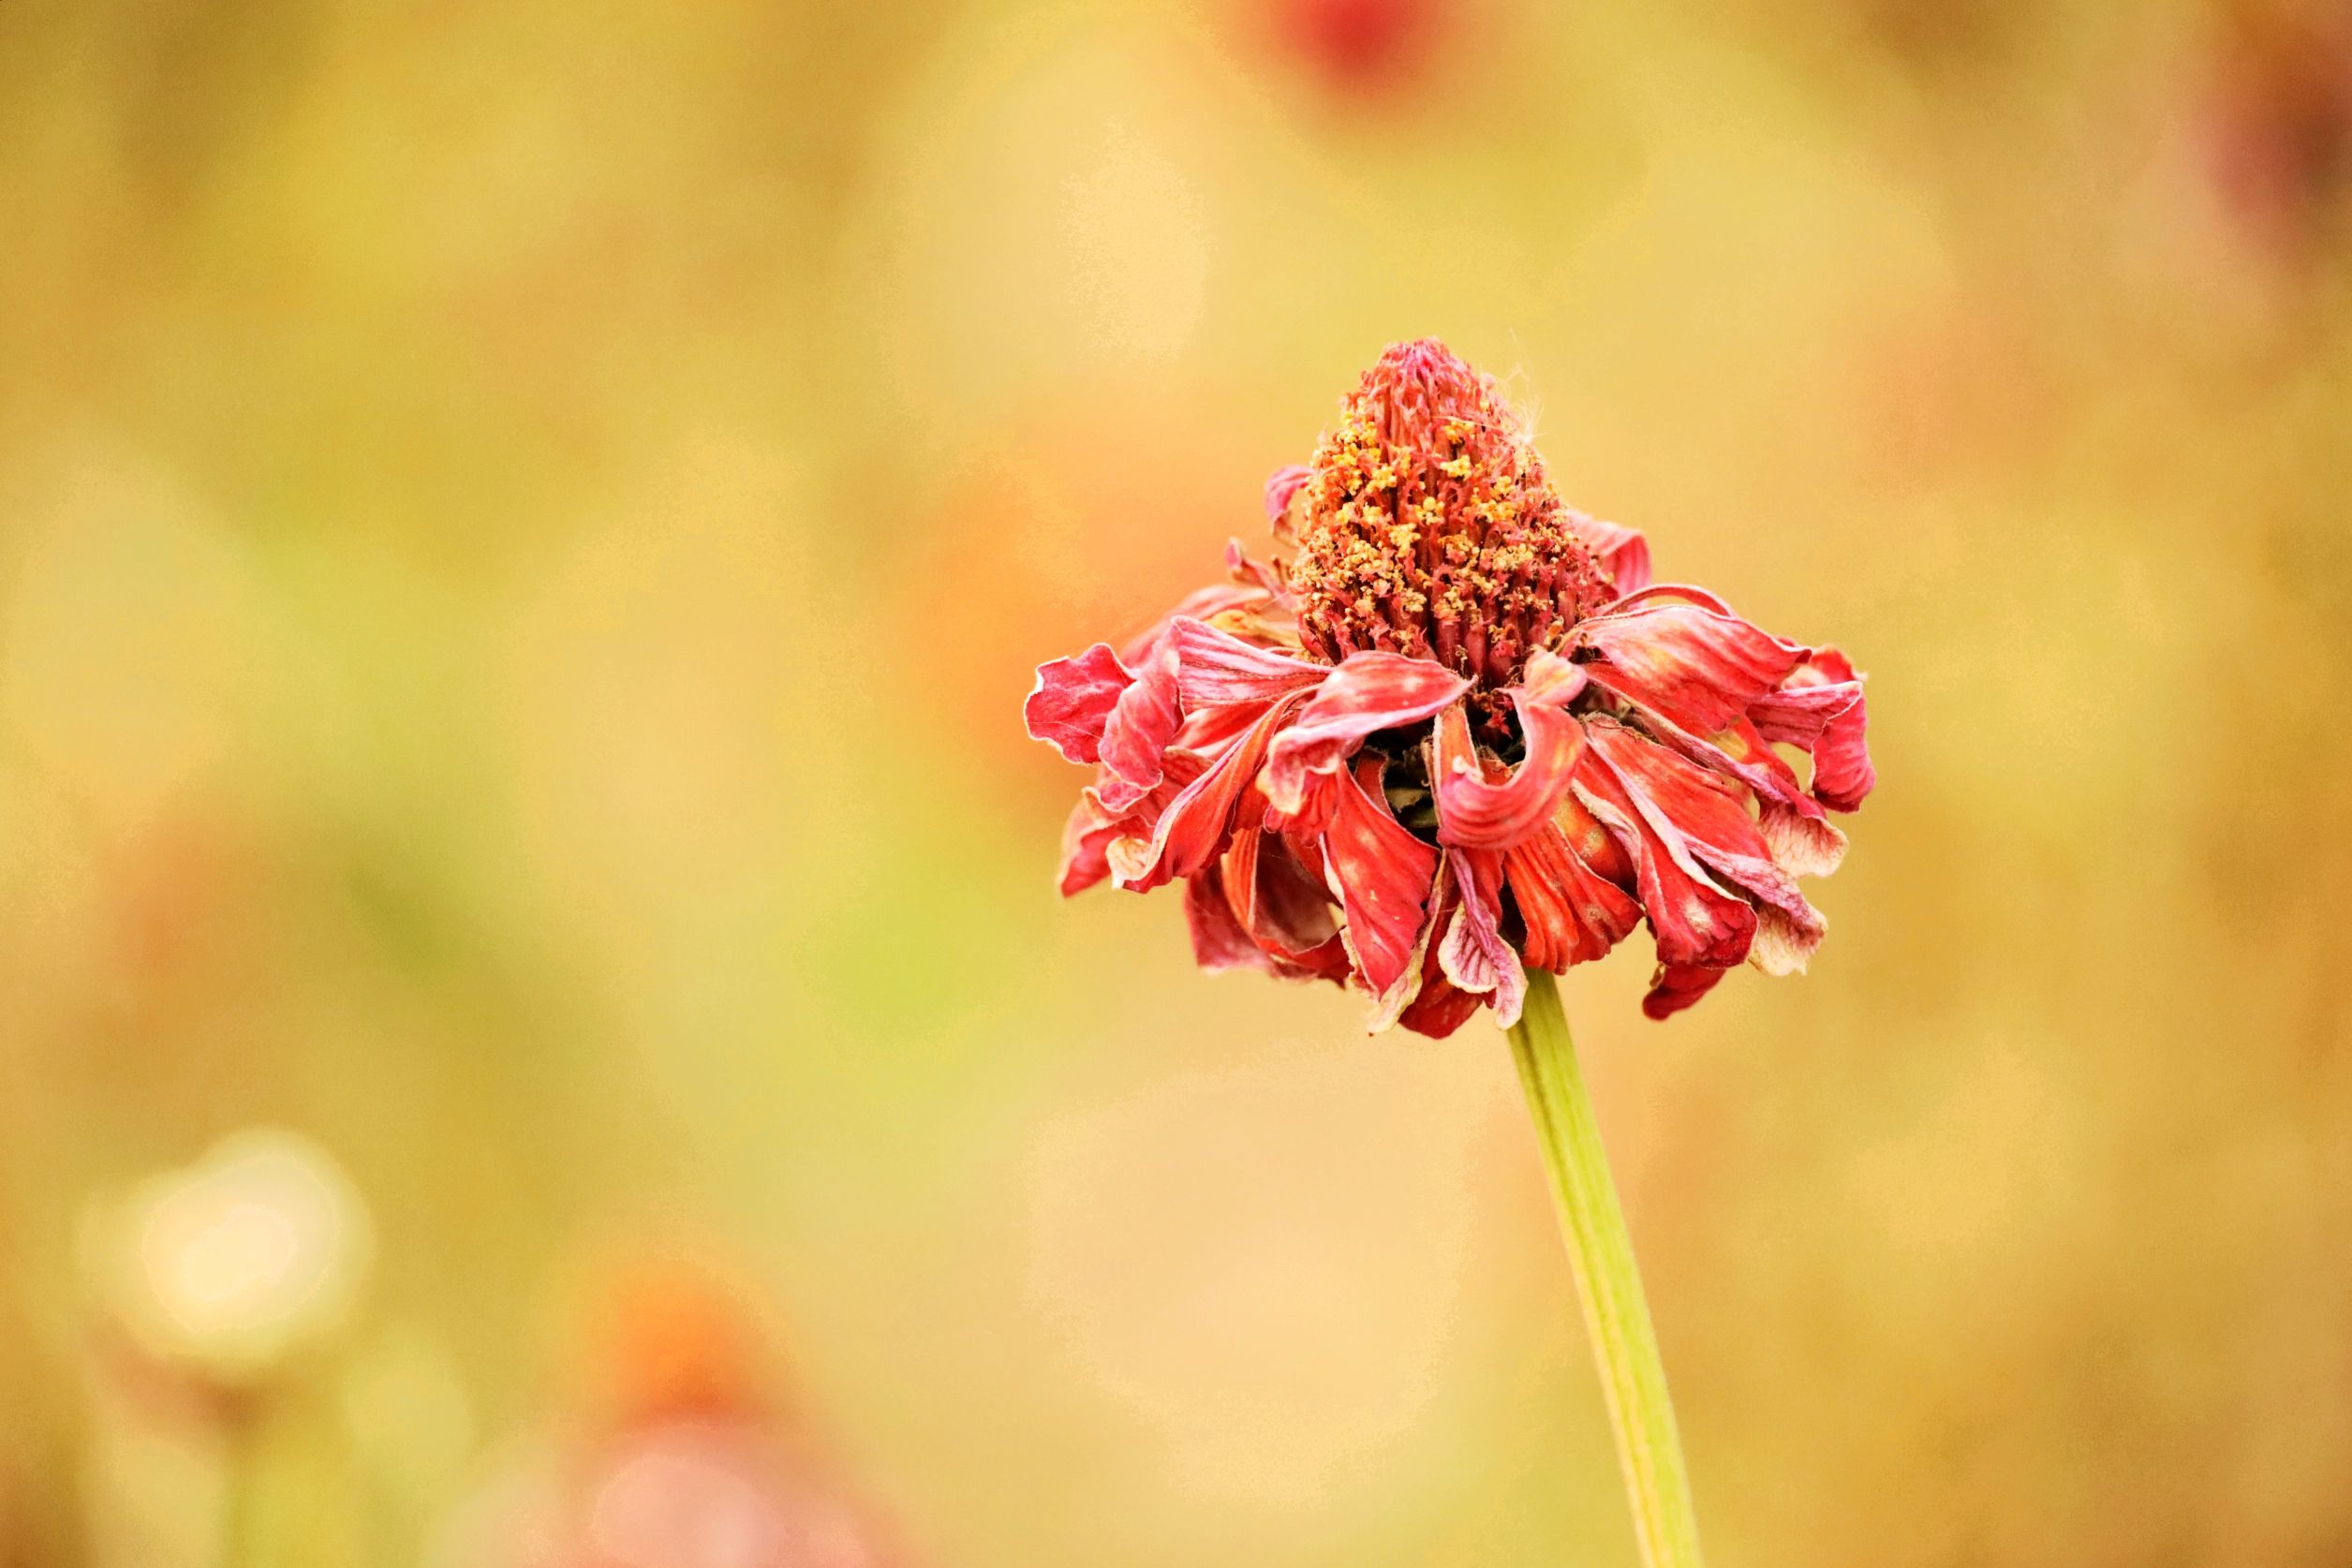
(1382, 875)
(1474, 955)
(1422, 995)
(1215, 668)
(1696, 667)
(1477, 812)
(1072, 701)
(1367, 692)
(1143, 723)
(1805, 845)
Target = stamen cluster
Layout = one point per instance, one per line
(1426, 526)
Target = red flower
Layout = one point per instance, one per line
(1457, 730)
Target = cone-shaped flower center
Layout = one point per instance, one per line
(1426, 526)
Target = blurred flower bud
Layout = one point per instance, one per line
(224, 1270)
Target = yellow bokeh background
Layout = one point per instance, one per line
(523, 533)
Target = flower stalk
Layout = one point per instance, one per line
(1615, 1314)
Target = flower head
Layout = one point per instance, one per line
(1457, 731)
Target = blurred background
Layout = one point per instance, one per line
(534, 1028)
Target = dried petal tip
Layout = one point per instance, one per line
(1426, 527)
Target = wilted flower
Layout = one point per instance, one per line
(1457, 731)
(222, 1271)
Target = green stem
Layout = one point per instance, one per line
(240, 1470)
(1608, 1285)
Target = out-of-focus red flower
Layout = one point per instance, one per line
(2278, 124)
(685, 1462)
(1456, 731)
(1359, 45)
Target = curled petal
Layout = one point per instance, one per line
(1222, 941)
(1085, 842)
(1820, 709)
(1282, 905)
(1215, 668)
(1695, 920)
(1805, 845)
(1423, 977)
(1219, 601)
(1072, 701)
(1195, 827)
(1382, 875)
(1143, 722)
(1624, 554)
(1676, 987)
(1550, 680)
(1281, 486)
(1219, 941)
(1315, 805)
(1474, 811)
(1253, 574)
(1738, 751)
(1366, 692)
(1680, 799)
(1474, 955)
(1573, 914)
(1697, 667)
(1440, 1008)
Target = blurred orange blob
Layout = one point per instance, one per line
(674, 1338)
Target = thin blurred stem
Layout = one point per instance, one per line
(1608, 1285)
(240, 1457)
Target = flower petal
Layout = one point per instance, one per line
(1624, 554)
(1194, 828)
(1255, 574)
(1440, 1008)
(1072, 701)
(1698, 668)
(1676, 987)
(1219, 941)
(1135, 739)
(1381, 874)
(1084, 840)
(1573, 914)
(1805, 846)
(1366, 692)
(1477, 812)
(1215, 668)
(1820, 709)
(1282, 905)
(1711, 817)
(1695, 920)
(1474, 955)
(1281, 486)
